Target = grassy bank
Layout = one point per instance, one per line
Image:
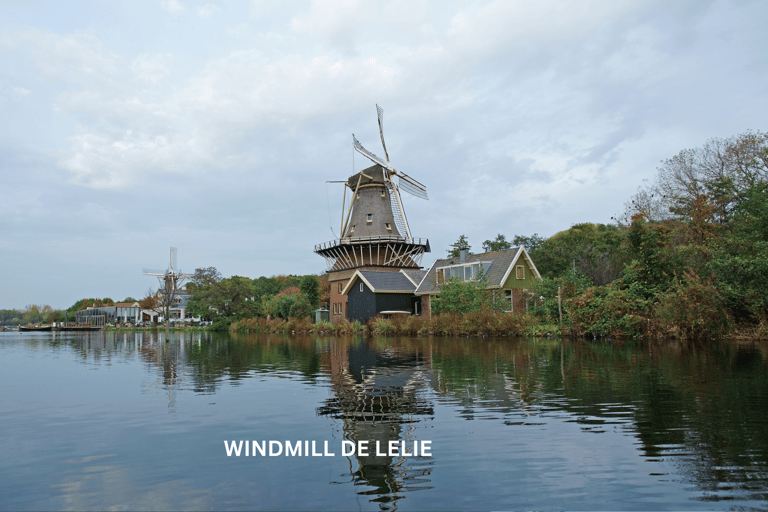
(471, 324)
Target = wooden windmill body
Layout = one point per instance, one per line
(374, 229)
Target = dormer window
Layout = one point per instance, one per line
(388, 226)
(370, 218)
(383, 193)
(352, 229)
(465, 272)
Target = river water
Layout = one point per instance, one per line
(138, 421)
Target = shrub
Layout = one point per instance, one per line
(324, 325)
(608, 311)
(381, 326)
(298, 324)
(222, 323)
(692, 310)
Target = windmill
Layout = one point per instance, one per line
(170, 283)
(405, 182)
(374, 229)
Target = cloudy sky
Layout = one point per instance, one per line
(129, 127)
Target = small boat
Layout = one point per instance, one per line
(23, 328)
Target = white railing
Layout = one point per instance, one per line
(369, 239)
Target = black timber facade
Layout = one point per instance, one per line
(370, 293)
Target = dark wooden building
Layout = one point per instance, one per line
(373, 292)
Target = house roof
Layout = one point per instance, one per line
(127, 304)
(415, 275)
(501, 263)
(381, 281)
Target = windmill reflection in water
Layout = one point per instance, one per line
(379, 396)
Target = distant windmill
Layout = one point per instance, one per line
(170, 282)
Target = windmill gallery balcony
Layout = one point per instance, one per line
(379, 251)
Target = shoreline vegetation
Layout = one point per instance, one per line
(476, 324)
(686, 259)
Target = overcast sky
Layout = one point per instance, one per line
(211, 126)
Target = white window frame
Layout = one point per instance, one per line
(474, 273)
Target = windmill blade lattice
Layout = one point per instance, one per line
(380, 114)
(400, 222)
(174, 261)
(373, 158)
(407, 185)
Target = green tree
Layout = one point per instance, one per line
(457, 246)
(287, 305)
(593, 249)
(232, 296)
(205, 292)
(301, 308)
(457, 296)
(310, 289)
(460, 297)
(739, 262)
(500, 243)
(531, 243)
(267, 287)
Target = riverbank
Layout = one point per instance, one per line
(487, 323)
(471, 324)
(480, 324)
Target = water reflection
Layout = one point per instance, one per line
(696, 415)
(379, 395)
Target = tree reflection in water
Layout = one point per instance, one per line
(700, 409)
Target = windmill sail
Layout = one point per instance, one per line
(380, 113)
(174, 266)
(360, 149)
(397, 211)
(413, 187)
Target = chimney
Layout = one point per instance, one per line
(463, 255)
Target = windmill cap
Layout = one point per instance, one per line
(373, 174)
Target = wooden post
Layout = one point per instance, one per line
(560, 305)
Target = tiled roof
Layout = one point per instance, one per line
(500, 263)
(126, 304)
(383, 281)
(414, 274)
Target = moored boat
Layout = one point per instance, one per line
(35, 328)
